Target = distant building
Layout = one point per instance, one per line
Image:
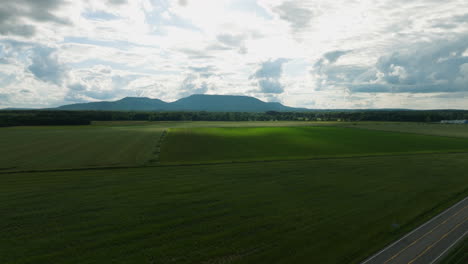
(454, 121)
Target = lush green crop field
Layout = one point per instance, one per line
(205, 145)
(29, 148)
(449, 130)
(188, 124)
(314, 211)
(334, 210)
(104, 144)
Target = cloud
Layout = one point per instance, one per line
(333, 56)
(183, 2)
(268, 74)
(461, 19)
(19, 30)
(100, 83)
(445, 25)
(16, 17)
(99, 15)
(295, 13)
(270, 86)
(45, 65)
(343, 53)
(232, 41)
(437, 67)
(330, 58)
(194, 85)
(433, 67)
(270, 69)
(4, 99)
(196, 54)
(204, 71)
(117, 2)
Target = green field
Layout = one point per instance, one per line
(191, 124)
(204, 145)
(300, 208)
(275, 212)
(435, 129)
(33, 148)
(104, 144)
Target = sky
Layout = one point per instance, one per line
(303, 53)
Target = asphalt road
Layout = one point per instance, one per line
(430, 242)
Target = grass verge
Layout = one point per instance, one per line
(458, 255)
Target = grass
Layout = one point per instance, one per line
(459, 255)
(188, 124)
(30, 148)
(316, 211)
(205, 145)
(290, 211)
(435, 129)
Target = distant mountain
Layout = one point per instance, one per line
(227, 103)
(125, 104)
(197, 102)
(16, 109)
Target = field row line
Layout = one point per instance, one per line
(158, 165)
(157, 151)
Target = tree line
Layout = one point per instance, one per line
(54, 117)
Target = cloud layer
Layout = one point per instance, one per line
(318, 54)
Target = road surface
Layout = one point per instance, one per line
(430, 242)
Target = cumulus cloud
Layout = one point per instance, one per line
(204, 71)
(330, 58)
(438, 67)
(270, 69)
(15, 29)
(351, 53)
(268, 76)
(233, 41)
(194, 85)
(270, 86)
(333, 56)
(295, 13)
(17, 17)
(45, 65)
(100, 82)
(183, 2)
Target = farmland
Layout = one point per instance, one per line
(434, 129)
(300, 193)
(249, 144)
(33, 148)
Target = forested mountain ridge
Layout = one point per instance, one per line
(197, 102)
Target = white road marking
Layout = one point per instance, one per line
(456, 241)
(434, 218)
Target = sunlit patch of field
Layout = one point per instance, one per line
(189, 124)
